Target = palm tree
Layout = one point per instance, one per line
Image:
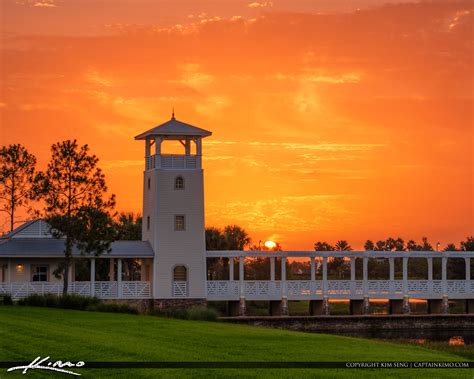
(369, 245)
(323, 246)
(468, 245)
(215, 239)
(129, 226)
(236, 237)
(343, 245)
(450, 247)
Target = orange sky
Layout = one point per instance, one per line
(331, 119)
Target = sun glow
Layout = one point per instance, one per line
(270, 244)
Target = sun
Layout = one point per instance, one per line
(270, 244)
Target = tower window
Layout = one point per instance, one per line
(180, 274)
(149, 183)
(147, 222)
(179, 222)
(179, 183)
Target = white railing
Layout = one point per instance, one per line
(337, 289)
(168, 161)
(180, 289)
(136, 290)
(222, 290)
(103, 290)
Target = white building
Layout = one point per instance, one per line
(168, 268)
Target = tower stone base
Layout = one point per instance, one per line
(168, 304)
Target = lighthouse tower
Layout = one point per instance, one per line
(173, 210)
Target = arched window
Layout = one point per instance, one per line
(179, 183)
(180, 281)
(180, 274)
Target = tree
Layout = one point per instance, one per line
(450, 247)
(17, 171)
(73, 189)
(236, 238)
(413, 246)
(323, 246)
(468, 244)
(426, 246)
(369, 245)
(128, 226)
(215, 239)
(381, 245)
(342, 245)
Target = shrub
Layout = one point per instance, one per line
(72, 301)
(112, 307)
(7, 300)
(202, 313)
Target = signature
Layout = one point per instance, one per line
(43, 364)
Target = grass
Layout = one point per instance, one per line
(26, 332)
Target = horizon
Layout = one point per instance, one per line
(330, 120)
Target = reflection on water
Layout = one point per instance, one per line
(456, 340)
(420, 336)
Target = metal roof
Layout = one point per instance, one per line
(175, 128)
(54, 248)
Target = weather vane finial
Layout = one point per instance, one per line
(172, 114)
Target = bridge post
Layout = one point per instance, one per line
(353, 276)
(231, 269)
(406, 299)
(313, 269)
(468, 274)
(284, 296)
(92, 283)
(365, 275)
(272, 269)
(430, 275)
(325, 276)
(391, 284)
(242, 307)
(444, 285)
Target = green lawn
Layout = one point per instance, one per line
(26, 332)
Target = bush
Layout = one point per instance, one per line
(193, 313)
(78, 302)
(7, 300)
(112, 307)
(202, 313)
(70, 301)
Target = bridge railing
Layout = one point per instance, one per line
(390, 288)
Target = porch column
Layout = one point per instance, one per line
(9, 269)
(119, 278)
(92, 283)
(283, 277)
(313, 269)
(325, 276)
(231, 268)
(111, 270)
(272, 269)
(157, 145)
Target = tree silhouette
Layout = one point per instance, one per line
(17, 172)
(73, 189)
(323, 246)
(369, 245)
(468, 244)
(128, 226)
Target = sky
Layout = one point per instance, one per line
(331, 119)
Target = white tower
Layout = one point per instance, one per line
(173, 211)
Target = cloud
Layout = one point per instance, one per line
(256, 5)
(45, 4)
